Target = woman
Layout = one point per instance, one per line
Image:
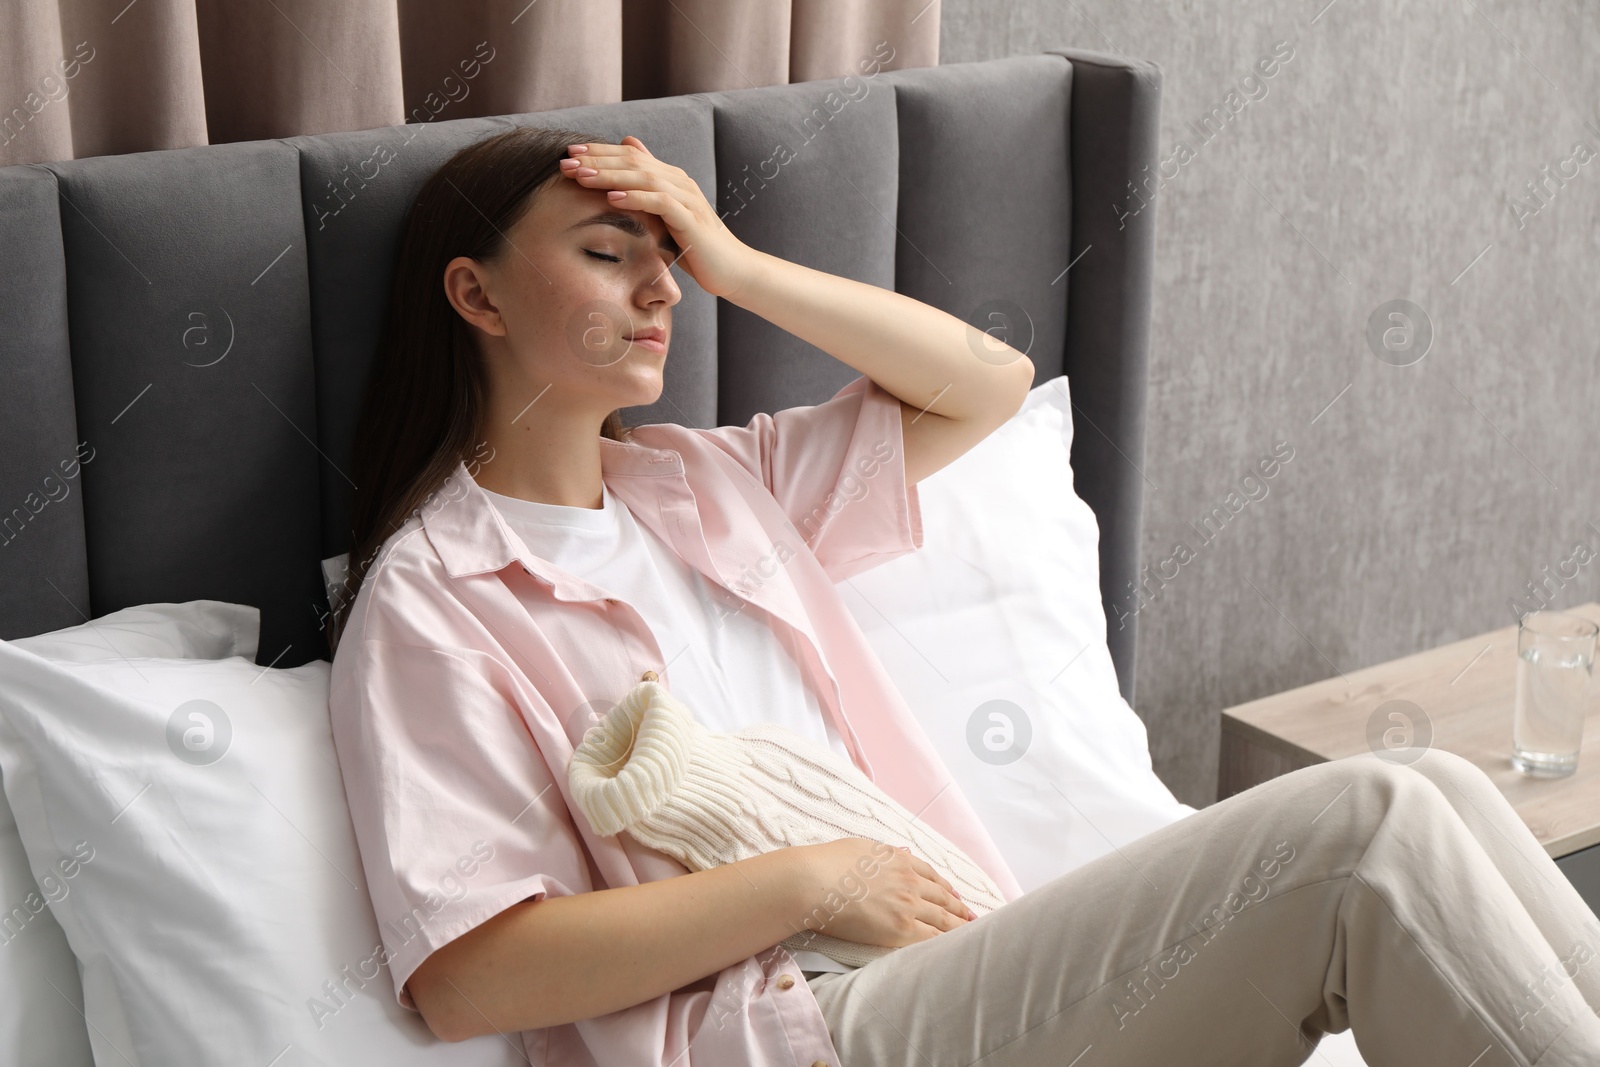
(522, 560)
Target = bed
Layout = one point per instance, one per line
(187, 333)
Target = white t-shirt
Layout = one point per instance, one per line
(725, 662)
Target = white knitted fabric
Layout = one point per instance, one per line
(708, 798)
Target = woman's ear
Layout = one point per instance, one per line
(466, 283)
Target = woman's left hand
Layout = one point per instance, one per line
(717, 260)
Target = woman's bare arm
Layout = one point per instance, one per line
(956, 384)
(928, 358)
(562, 959)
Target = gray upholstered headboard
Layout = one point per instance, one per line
(185, 335)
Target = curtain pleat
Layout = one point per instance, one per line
(141, 90)
(702, 46)
(96, 77)
(32, 61)
(470, 58)
(277, 68)
(833, 38)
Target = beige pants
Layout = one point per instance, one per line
(1406, 901)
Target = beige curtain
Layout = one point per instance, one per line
(94, 77)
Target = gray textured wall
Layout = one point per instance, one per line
(1384, 161)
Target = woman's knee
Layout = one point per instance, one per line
(1435, 777)
(1372, 767)
(1451, 772)
(1372, 773)
(1373, 783)
(1435, 764)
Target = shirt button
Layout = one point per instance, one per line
(649, 676)
(785, 981)
(820, 1063)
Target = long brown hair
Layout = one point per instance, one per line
(423, 410)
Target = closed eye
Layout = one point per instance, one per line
(601, 255)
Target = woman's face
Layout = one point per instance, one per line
(564, 305)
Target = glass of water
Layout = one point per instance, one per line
(1555, 658)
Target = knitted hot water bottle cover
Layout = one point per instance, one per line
(708, 798)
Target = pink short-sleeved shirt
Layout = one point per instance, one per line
(469, 670)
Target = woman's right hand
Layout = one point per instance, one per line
(872, 893)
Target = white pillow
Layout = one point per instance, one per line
(40, 1024)
(198, 629)
(41, 1013)
(218, 908)
(995, 634)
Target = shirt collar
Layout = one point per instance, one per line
(471, 537)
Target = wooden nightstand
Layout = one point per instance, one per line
(1465, 693)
